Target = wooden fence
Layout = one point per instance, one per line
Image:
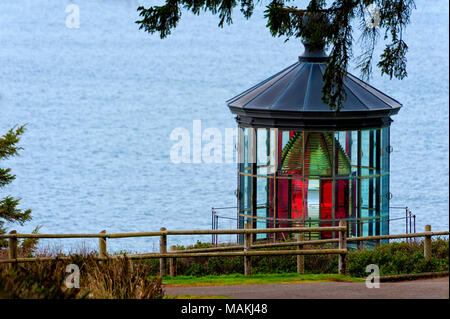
(246, 250)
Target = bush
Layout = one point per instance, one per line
(400, 258)
(120, 278)
(111, 279)
(40, 280)
(394, 258)
(261, 264)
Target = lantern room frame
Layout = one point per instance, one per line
(314, 178)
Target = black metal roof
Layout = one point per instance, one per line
(292, 98)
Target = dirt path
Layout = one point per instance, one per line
(418, 289)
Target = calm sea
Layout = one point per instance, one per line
(101, 101)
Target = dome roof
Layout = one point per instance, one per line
(292, 98)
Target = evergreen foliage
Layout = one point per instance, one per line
(332, 25)
(9, 211)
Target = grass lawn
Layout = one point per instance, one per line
(239, 279)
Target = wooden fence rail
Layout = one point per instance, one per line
(163, 255)
(246, 250)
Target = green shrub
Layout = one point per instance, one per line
(400, 258)
(394, 258)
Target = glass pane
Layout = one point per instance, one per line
(245, 194)
(282, 201)
(384, 194)
(272, 201)
(369, 213)
(354, 150)
(352, 213)
(285, 136)
(262, 189)
(297, 197)
(341, 138)
(245, 149)
(291, 160)
(273, 142)
(342, 149)
(262, 204)
(365, 152)
(342, 190)
(385, 150)
(261, 223)
(262, 147)
(364, 206)
(326, 205)
(313, 199)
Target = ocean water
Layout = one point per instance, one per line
(101, 100)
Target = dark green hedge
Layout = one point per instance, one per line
(393, 259)
(400, 258)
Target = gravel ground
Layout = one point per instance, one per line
(418, 289)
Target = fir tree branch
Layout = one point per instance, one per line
(288, 21)
(9, 210)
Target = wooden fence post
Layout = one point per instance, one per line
(342, 245)
(300, 258)
(12, 245)
(163, 250)
(102, 245)
(173, 263)
(247, 244)
(427, 244)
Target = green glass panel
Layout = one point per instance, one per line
(292, 153)
(317, 157)
(344, 165)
